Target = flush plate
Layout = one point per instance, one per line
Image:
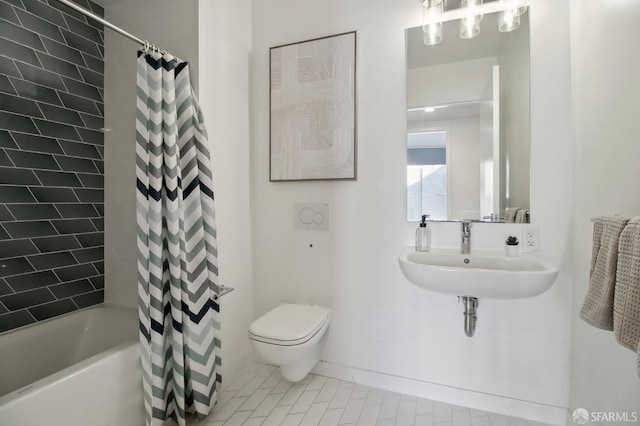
(315, 216)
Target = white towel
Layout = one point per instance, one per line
(510, 214)
(521, 216)
(626, 305)
(597, 308)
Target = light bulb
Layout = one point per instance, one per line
(433, 36)
(432, 22)
(508, 20)
(471, 17)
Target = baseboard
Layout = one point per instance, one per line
(463, 397)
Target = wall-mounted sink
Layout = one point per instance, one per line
(483, 274)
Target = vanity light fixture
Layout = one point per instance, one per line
(432, 21)
(508, 21)
(471, 12)
(509, 18)
(471, 17)
(518, 7)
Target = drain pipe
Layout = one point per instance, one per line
(470, 318)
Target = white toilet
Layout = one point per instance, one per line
(291, 336)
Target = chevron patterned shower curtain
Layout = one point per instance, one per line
(177, 250)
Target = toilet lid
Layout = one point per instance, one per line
(290, 322)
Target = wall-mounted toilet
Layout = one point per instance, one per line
(291, 336)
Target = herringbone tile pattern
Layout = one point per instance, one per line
(260, 396)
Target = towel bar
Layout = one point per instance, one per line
(222, 290)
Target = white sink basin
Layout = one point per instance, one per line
(482, 274)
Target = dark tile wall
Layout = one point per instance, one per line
(51, 160)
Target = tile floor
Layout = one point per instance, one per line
(260, 396)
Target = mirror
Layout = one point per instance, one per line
(468, 133)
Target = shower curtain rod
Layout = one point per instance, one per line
(115, 28)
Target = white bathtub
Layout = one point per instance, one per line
(77, 370)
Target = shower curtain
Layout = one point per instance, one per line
(177, 250)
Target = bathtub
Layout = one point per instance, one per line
(76, 370)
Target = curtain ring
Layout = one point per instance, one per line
(145, 46)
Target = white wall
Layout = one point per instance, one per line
(380, 321)
(146, 20)
(606, 86)
(225, 46)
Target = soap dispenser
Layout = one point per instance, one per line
(423, 236)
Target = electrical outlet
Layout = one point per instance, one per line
(530, 239)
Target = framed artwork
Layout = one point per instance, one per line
(313, 109)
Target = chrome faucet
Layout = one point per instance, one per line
(465, 248)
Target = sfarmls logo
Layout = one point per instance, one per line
(582, 416)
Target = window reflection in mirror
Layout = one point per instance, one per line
(427, 175)
(468, 136)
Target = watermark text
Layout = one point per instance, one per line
(582, 416)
